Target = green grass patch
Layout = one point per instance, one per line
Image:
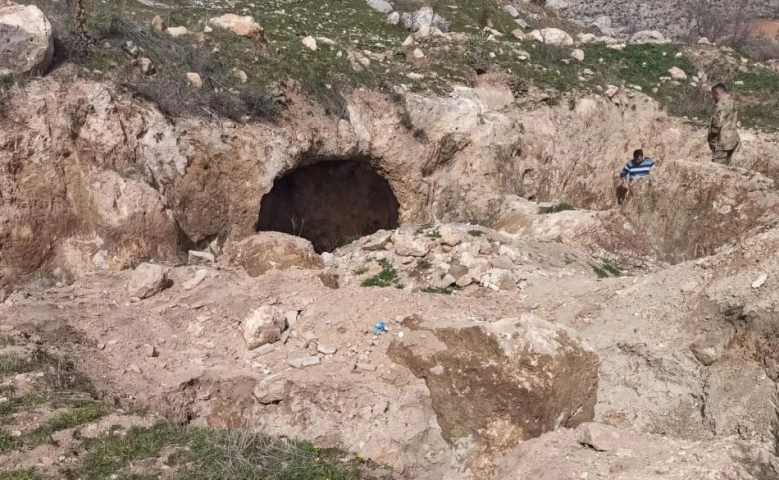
(476, 233)
(351, 239)
(607, 269)
(14, 404)
(203, 454)
(7, 341)
(24, 474)
(560, 207)
(385, 278)
(71, 418)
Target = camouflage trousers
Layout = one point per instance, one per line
(722, 156)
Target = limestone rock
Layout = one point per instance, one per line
(195, 80)
(407, 245)
(585, 38)
(377, 242)
(600, 437)
(310, 43)
(243, 26)
(648, 36)
(196, 280)
(263, 326)
(511, 10)
(424, 18)
(157, 23)
(240, 75)
(536, 376)
(551, 36)
(146, 66)
(200, 258)
(303, 362)
(26, 40)
(380, 6)
(148, 279)
(273, 250)
(577, 54)
(271, 389)
(706, 350)
(176, 32)
(393, 18)
(677, 73)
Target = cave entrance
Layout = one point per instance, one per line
(329, 203)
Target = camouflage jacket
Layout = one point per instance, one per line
(723, 134)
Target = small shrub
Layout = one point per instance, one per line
(385, 278)
(607, 269)
(351, 239)
(560, 207)
(475, 233)
(735, 310)
(424, 265)
(519, 87)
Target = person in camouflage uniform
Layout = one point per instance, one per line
(723, 136)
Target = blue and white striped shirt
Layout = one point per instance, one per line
(633, 171)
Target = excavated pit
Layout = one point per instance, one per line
(329, 203)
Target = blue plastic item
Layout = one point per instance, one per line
(378, 328)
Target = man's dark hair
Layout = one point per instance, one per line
(720, 87)
(637, 153)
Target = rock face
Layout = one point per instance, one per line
(272, 250)
(528, 375)
(147, 280)
(244, 26)
(263, 326)
(27, 45)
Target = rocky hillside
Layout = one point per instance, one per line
(367, 239)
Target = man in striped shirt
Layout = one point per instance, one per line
(637, 168)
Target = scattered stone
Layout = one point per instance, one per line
(415, 76)
(450, 239)
(291, 318)
(648, 36)
(511, 10)
(418, 53)
(147, 280)
(393, 18)
(424, 17)
(551, 36)
(200, 258)
(265, 349)
(27, 40)
(407, 245)
(380, 6)
(158, 23)
(522, 24)
(611, 91)
(365, 367)
(195, 80)
(326, 349)
(585, 38)
(101, 346)
(577, 54)
(310, 43)
(303, 362)
(408, 41)
(242, 26)
(377, 242)
(176, 32)
(196, 280)
(706, 350)
(150, 351)
(760, 281)
(130, 48)
(240, 75)
(437, 370)
(146, 66)
(263, 326)
(600, 437)
(556, 4)
(135, 368)
(677, 73)
(704, 41)
(271, 389)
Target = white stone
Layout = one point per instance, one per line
(511, 10)
(677, 73)
(196, 280)
(310, 43)
(418, 53)
(243, 26)
(176, 32)
(196, 257)
(27, 40)
(552, 36)
(195, 80)
(380, 6)
(393, 18)
(759, 281)
(577, 54)
(303, 362)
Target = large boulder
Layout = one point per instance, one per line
(504, 382)
(148, 279)
(552, 36)
(244, 26)
(26, 40)
(273, 250)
